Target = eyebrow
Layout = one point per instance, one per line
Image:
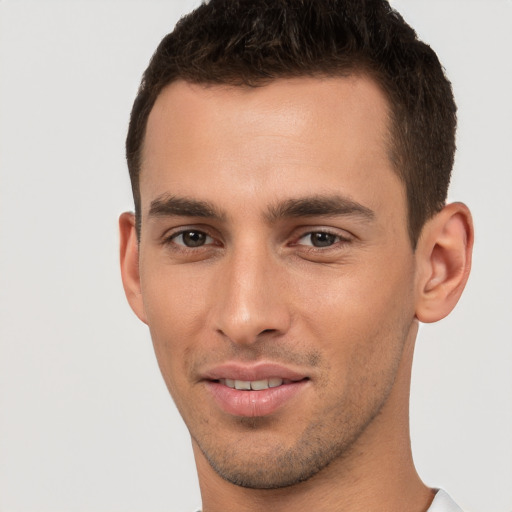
(319, 205)
(314, 206)
(173, 206)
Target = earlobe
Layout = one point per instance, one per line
(443, 262)
(129, 256)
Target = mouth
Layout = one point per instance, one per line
(254, 391)
(255, 385)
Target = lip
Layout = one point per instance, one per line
(260, 371)
(253, 403)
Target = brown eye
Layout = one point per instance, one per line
(322, 239)
(192, 238)
(319, 239)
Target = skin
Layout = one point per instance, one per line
(230, 166)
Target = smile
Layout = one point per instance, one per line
(255, 398)
(254, 390)
(254, 385)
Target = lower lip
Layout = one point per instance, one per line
(251, 404)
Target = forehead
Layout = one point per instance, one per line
(290, 134)
(284, 107)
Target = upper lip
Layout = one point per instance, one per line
(252, 372)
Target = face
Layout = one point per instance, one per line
(276, 272)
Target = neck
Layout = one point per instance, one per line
(376, 474)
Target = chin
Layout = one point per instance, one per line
(267, 464)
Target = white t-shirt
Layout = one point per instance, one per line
(443, 503)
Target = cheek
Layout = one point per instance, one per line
(362, 316)
(173, 299)
(172, 305)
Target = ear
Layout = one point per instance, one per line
(443, 256)
(129, 253)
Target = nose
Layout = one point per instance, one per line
(251, 298)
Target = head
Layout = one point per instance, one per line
(289, 162)
(250, 43)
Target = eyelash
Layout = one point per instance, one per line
(170, 240)
(339, 240)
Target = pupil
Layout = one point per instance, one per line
(322, 239)
(194, 238)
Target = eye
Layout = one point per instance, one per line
(319, 239)
(191, 238)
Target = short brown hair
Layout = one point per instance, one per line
(252, 42)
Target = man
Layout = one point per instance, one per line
(290, 162)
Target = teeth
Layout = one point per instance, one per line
(273, 383)
(259, 384)
(255, 385)
(242, 384)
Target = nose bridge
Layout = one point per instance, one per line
(250, 296)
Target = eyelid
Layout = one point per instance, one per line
(174, 236)
(340, 234)
(170, 235)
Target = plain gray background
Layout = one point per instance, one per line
(86, 423)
